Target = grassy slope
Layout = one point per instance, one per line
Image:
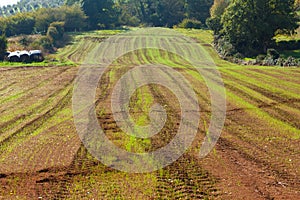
(268, 98)
(250, 91)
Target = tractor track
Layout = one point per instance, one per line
(41, 117)
(252, 159)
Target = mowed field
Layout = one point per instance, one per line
(256, 157)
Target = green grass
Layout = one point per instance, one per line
(204, 36)
(33, 129)
(246, 90)
(294, 53)
(45, 63)
(285, 129)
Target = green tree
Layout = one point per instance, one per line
(126, 13)
(138, 11)
(74, 19)
(218, 8)
(199, 9)
(21, 23)
(250, 25)
(171, 12)
(216, 12)
(44, 17)
(100, 13)
(3, 46)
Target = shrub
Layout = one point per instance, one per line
(56, 31)
(24, 41)
(46, 43)
(190, 23)
(52, 34)
(239, 56)
(291, 61)
(280, 62)
(272, 53)
(269, 61)
(214, 24)
(224, 47)
(260, 58)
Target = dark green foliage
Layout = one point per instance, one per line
(39, 21)
(74, 19)
(190, 23)
(214, 23)
(46, 43)
(22, 23)
(56, 31)
(272, 53)
(24, 41)
(171, 12)
(250, 25)
(199, 9)
(260, 57)
(3, 46)
(139, 12)
(101, 13)
(288, 45)
(161, 12)
(216, 12)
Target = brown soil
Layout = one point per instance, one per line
(252, 159)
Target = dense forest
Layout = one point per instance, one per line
(241, 27)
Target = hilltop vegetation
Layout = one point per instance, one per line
(29, 5)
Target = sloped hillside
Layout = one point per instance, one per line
(28, 5)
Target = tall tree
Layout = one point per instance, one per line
(74, 18)
(101, 13)
(250, 25)
(216, 12)
(199, 9)
(171, 12)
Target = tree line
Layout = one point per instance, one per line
(97, 14)
(247, 27)
(28, 5)
(39, 21)
(108, 13)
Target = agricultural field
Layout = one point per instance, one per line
(256, 157)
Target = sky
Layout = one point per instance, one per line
(7, 2)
